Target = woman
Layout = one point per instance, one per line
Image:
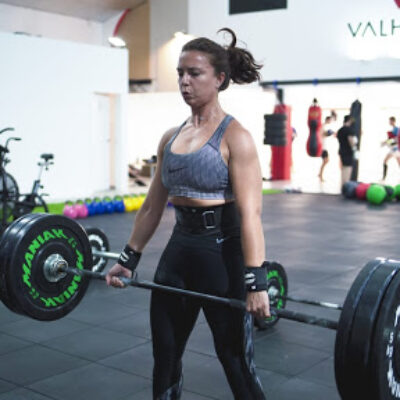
(209, 170)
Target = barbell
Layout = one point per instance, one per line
(46, 260)
(276, 276)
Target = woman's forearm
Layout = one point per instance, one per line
(252, 238)
(146, 222)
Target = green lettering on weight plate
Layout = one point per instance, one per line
(29, 256)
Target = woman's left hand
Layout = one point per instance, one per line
(257, 303)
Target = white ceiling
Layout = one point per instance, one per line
(94, 10)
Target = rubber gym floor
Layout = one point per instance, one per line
(102, 350)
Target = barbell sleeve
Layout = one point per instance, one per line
(105, 254)
(316, 303)
(235, 303)
(305, 318)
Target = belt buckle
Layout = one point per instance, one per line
(205, 220)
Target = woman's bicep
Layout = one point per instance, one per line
(245, 173)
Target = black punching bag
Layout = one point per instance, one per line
(275, 129)
(355, 112)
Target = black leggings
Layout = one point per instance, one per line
(210, 263)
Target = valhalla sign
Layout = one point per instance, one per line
(382, 28)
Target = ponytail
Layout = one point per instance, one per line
(243, 67)
(237, 63)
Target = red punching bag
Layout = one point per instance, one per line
(314, 142)
(281, 156)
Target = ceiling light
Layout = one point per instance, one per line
(115, 40)
(179, 34)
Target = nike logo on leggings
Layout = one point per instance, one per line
(220, 240)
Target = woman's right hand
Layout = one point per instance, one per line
(113, 274)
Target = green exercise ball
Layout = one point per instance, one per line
(376, 194)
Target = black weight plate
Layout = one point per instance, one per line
(364, 322)
(27, 285)
(385, 354)
(345, 324)
(277, 283)
(99, 241)
(6, 246)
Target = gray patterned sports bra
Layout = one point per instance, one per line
(201, 174)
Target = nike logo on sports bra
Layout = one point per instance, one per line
(171, 170)
(220, 240)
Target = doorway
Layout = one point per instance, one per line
(103, 142)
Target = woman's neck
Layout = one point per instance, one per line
(203, 115)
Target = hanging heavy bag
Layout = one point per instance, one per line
(355, 113)
(314, 142)
(275, 129)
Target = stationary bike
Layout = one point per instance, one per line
(27, 202)
(12, 203)
(9, 191)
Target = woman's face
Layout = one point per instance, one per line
(197, 80)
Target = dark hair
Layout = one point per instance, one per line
(348, 118)
(237, 63)
(392, 119)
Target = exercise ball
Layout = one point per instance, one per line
(361, 190)
(376, 194)
(349, 189)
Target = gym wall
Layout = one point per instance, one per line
(48, 94)
(49, 25)
(311, 39)
(166, 18)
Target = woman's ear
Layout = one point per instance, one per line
(220, 79)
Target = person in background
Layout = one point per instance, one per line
(393, 143)
(327, 131)
(347, 148)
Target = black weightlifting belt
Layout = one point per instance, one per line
(206, 219)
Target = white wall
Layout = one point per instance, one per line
(166, 18)
(152, 114)
(49, 25)
(47, 89)
(311, 39)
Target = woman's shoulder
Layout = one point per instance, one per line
(236, 131)
(166, 137)
(238, 138)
